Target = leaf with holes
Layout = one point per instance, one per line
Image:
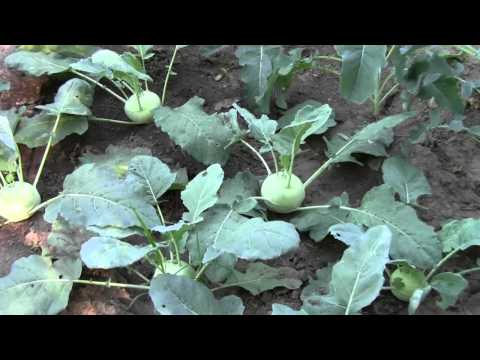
(460, 234)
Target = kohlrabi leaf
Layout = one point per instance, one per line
(260, 277)
(8, 148)
(261, 129)
(180, 295)
(449, 286)
(372, 139)
(152, 174)
(144, 51)
(65, 240)
(38, 286)
(317, 222)
(74, 98)
(94, 70)
(357, 279)
(256, 239)
(280, 309)
(35, 131)
(419, 133)
(319, 284)
(290, 116)
(65, 50)
(361, 69)
(220, 268)
(417, 298)
(93, 196)
(413, 240)
(236, 192)
(37, 63)
(257, 62)
(110, 253)
(4, 86)
(346, 233)
(460, 234)
(201, 193)
(407, 180)
(113, 61)
(203, 136)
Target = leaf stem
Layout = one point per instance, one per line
(269, 172)
(125, 96)
(45, 203)
(86, 77)
(390, 52)
(323, 57)
(440, 263)
(468, 271)
(94, 118)
(2, 178)
(47, 150)
(169, 71)
(108, 284)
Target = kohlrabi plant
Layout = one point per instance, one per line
(125, 73)
(92, 222)
(282, 190)
(68, 114)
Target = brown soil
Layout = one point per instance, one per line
(448, 159)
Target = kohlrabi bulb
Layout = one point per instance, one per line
(280, 197)
(17, 200)
(149, 101)
(405, 280)
(174, 268)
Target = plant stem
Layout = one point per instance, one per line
(86, 77)
(269, 172)
(202, 270)
(387, 288)
(139, 274)
(440, 263)
(468, 271)
(323, 57)
(164, 92)
(389, 92)
(143, 65)
(137, 95)
(19, 166)
(390, 52)
(45, 204)
(290, 167)
(128, 87)
(94, 118)
(47, 150)
(107, 284)
(275, 163)
(2, 178)
(119, 89)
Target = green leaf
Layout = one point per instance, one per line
(450, 286)
(418, 134)
(357, 279)
(65, 50)
(220, 268)
(259, 277)
(38, 286)
(105, 202)
(204, 137)
(113, 61)
(4, 85)
(413, 240)
(361, 69)
(460, 234)
(35, 131)
(372, 139)
(319, 284)
(152, 174)
(262, 129)
(179, 295)
(280, 309)
(445, 91)
(37, 63)
(65, 240)
(201, 193)
(110, 253)
(74, 97)
(407, 180)
(256, 239)
(317, 222)
(8, 148)
(289, 116)
(235, 192)
(417, 298)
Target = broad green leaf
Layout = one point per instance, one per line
(74, 98)
(202, 136)
(144, 51)
(361, 69)
(418, 134)
(181, 179)
(65, 240)
(413, 240)
(346, 233)
(220, 268)
(289, 116)
(37, 63)
(257, 62)
(417, 298)
(8, 148)
(445, 91)
(35, 131)
(259, 277)
(95, 70)
(319, 284)
(280, 309)
(407, 180)
(357, 279)
(4, 85)
(261, 129)
(372, 139)
(115, 158)
(235, 192)
(65, 50)
(110, 253)
(460, 234)
(317, 222)
(113, 61)
(105, 201)
(449, 286)
(256, 239)
(180, 295)
(38, 286)
(201, 192)
(152, 174)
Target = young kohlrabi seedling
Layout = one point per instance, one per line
(68, 114)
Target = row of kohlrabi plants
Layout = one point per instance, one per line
(225, 222)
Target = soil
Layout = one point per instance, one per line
(451, 162)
